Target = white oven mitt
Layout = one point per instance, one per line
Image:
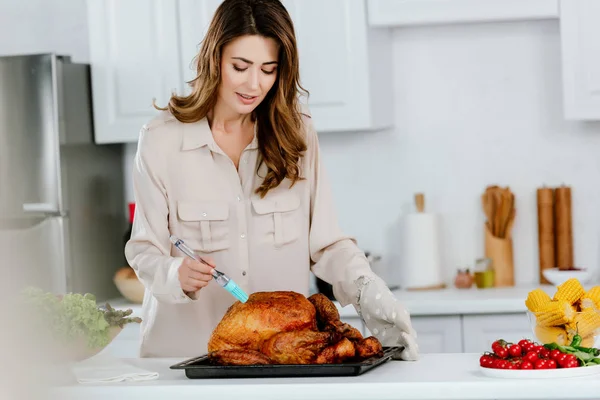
(385, 317)
(104, 368)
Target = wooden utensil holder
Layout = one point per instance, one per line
(500, 251)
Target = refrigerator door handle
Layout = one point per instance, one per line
(44, 208)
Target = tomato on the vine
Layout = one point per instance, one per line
(526, 365)
(514, 350)
(570, 363)
(554, 354)
(527, 347)
(486, 361)
(537, 348)
(524, 342)
(560, 359)
(531, 356)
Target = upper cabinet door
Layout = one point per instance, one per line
(142, 50)
(580, 36)
(337, 51)
(134, 56)
(194, 19)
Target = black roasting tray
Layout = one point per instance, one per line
(201, 368)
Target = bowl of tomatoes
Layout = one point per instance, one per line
(529, 359)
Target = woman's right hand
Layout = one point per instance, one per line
(194, 275)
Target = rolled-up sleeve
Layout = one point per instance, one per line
(148, 249)
(335, 256)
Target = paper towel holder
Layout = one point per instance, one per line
(419, 201)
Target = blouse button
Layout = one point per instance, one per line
(244, 273)
(204, 214)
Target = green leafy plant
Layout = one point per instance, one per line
(74, 315)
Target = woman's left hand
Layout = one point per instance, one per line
(387, 319)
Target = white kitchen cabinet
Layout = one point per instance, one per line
(480, 331)
(143, 50)
(134, 59)
(344, 64)
(580, 40)
(396, 13)
(438, 334)
(194, 19)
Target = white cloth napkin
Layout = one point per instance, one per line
(104, 368)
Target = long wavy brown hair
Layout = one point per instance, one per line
(279, 125)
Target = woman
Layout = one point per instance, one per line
(234, 170)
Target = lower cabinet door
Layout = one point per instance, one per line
(438, 334)
(480, 331)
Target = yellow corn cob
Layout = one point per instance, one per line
(552, 334)
(536, 299)
(570, 290)
(586, 323)
(591, 299)
(555, 313)
(588, 341)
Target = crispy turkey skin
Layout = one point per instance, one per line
(248, 325)
(287, 328)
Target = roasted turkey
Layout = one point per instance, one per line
(287, 328)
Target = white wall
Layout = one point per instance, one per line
(475, 105)
(32, 26)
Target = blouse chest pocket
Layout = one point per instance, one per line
(204, 225)
(277, 218)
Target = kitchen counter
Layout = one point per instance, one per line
(434, 376)
(448, 301)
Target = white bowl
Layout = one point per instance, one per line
(556, 276)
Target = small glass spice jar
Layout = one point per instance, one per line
(484, 273)
(464, 279)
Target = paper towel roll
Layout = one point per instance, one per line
(420, 259)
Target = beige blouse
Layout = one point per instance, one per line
(186, 186)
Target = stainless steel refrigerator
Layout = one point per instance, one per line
(61, 196)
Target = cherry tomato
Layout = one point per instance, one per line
(560, 359)
(526, 365)
(501, 352)
(571, 364)
(544, 353)
(512, 366)
(531, 356)
(537, 348)
(551, 364)
(570, 358)
(528, 347)
(486, 361)
(514, 350)
(523, 342)
(554, 354)
(540, 364)
(502, 364)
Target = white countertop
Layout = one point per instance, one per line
(434, 376)
(448, 301)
